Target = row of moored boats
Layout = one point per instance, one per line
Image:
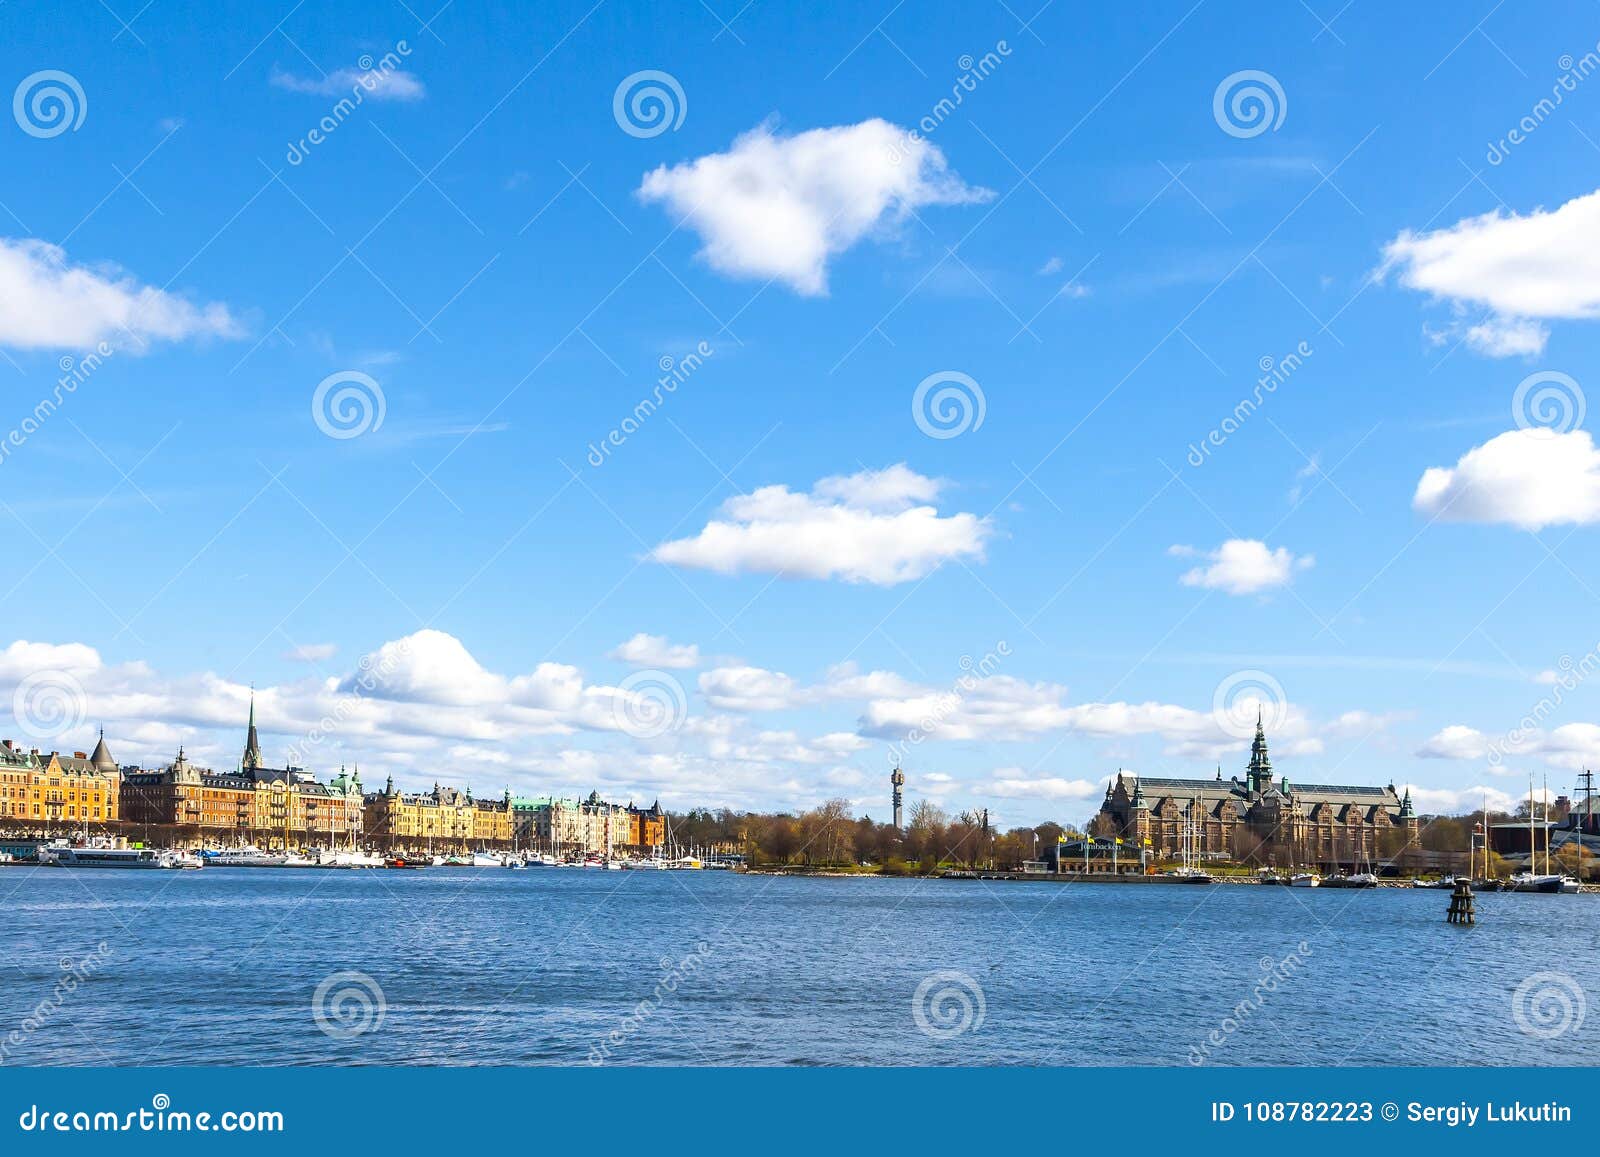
(66, 855)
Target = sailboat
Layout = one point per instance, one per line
(1189, 873)
(1529, 879)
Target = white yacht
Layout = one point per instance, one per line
(246, 857)
(487, 860)
(1305, 880)
(114, 858)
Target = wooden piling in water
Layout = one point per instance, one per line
(1461, 911)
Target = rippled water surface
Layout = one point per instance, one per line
(561, 966)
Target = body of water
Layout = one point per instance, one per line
(565, 966)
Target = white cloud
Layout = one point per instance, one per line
(311, 653)
(374, 83)
(46, 302)
(655, 651)
(1530, 478)
(1455, 742)
(1507, 337)
(1523, 268)
(1242, 566)
(1014, 783)
(780, 207)
(872, 527)
(757, 689)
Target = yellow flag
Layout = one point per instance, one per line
(1119, 840)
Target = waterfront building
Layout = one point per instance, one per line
(445, 818)
(272, 806)
(1260, 819)
(647, 827)
(51, 789)
(558, 825)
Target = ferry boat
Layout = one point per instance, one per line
(114, 858)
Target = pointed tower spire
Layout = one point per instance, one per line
(1259, 778)
(252, 745)
(101, 759)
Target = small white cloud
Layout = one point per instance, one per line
(1523, 268)
(655, 651)
(1242, 566)
(877, 526)
(1455, 742)
(311, 653)
(1531, 478)
(46, 302)
(1014, 783)
(373, 83)
(780, 207)
(1054, 265)
(1507, 337)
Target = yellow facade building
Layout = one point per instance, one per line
(39, 789)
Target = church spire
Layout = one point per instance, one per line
(1259, 778)
(252, 745)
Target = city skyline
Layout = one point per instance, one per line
(1059, 425)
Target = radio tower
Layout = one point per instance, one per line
(898, 781)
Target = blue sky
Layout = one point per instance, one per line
(1107, 249)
